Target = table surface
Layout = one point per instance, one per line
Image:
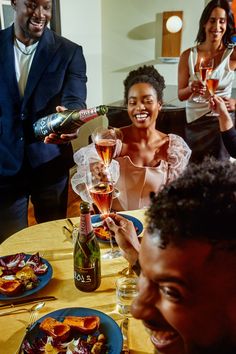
(49, 239)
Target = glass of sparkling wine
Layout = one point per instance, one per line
(212, 85)
(205, 68)
(105, 143)
(101, 188)
(104, 140)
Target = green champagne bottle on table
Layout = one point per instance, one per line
(66, 122)
(87, 259)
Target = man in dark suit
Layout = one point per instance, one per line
(41, 72)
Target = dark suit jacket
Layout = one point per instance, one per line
(57, 77)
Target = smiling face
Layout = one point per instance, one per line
(216, 25)
(32, 16)
(143, 105)
(183, 292)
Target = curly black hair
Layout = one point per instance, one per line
(224, 4)
(200, 204)
(147, 74)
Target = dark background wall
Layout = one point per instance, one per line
(170, 120)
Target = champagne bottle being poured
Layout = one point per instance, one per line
(66, 122)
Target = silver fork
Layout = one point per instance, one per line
(32, 318)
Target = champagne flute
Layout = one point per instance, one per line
(101, 188)
(104, 140)
(212, 85)
(105, 143)
(205, 68)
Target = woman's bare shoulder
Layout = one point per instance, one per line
(185, 53)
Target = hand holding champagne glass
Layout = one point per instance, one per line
(205, 68)
(126, 285)
(126, 238)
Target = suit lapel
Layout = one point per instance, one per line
(7, 61)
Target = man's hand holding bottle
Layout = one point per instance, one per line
(54, 138)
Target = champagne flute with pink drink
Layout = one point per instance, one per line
(105, 140)
(105, 143)
(212, 85)
(205, 68)
(100, 186)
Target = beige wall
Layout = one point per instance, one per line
(81, 23)
(132, 34)
(120, 35)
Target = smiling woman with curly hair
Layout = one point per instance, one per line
(147, 158)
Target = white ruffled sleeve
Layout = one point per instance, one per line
(178, 155)
(83, 157)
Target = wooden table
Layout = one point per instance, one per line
(49, 239)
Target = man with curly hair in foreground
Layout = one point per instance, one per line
(187, 286)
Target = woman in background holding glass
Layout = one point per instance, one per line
(213, 40)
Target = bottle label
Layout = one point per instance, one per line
(88, 114)
(47, 125)
(86, 230)
(85, 275)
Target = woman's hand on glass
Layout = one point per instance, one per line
(229, 103)
(225, 120)
(197, 88)
(218, 105)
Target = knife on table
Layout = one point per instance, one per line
(27, 301)
(124, 330)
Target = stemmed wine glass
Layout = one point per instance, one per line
(205, 68)
(212, 85)
(105, 140)
(100, 188)
(105, 143)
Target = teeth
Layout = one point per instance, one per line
(141, 116)
(38, 24)
(163, 337)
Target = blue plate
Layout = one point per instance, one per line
(43, 281)
(137, 224)
(107, 326)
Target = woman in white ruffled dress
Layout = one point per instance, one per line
(145, 159)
